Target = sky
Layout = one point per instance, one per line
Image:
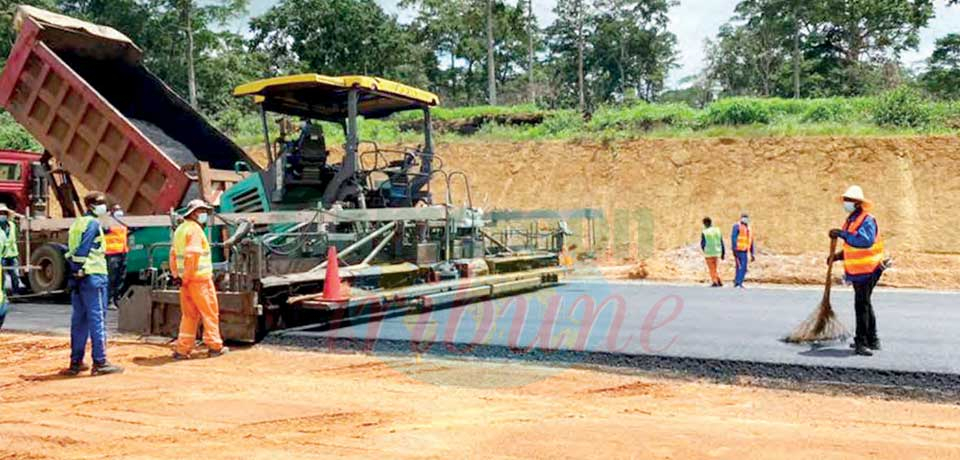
(694, 21)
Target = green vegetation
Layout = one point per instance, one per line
(899, 112)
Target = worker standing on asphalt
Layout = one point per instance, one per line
(711, 243)
(741, 238)
(863, 264)
(117, 249)
(191, 262)
(9, 248)
(88, 265)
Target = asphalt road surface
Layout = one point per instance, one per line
(691, 329)
(919, 330)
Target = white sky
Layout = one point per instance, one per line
(693, 21)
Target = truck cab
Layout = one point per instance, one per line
(18, 180)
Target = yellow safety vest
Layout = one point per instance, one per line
(10, 247)
(190, 238)
(95, 263)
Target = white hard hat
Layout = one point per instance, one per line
(854, 193)
(194, 205)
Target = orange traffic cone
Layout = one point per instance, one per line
(333, 289)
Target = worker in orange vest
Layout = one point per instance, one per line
(741, 239)
(117, 247)
(191, 262)
(863, 263)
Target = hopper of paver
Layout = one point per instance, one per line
(83, 92)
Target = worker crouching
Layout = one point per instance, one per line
(88, 289)
(863, 263)
(190, 261)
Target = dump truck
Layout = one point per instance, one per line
(105, 121)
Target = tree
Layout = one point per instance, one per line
(491, 60)
(568, 36)
(836, 47)
(334, 37)
(7, 9)
(943, 74)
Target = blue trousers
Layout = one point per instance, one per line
(3, 313)
(741, 257)
(89, 321)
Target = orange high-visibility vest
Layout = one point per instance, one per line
(861, 261)
(116, 241)
(744, 238)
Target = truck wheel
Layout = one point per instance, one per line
(50, 273)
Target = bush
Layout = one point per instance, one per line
(13, 136)
(641, 116)
(737, 111)
(903, 107)
(561, 123)
(827, 110)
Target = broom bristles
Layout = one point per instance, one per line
(821, 326)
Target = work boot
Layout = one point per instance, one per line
(874, 344)
(215, 353)
(105, 368)
(861, 349)
(76, 367)
(177, 356)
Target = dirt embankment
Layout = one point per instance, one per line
(655, 192)
(312, 405)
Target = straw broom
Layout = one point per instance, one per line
(822, 325)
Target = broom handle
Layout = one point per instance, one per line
(833, 250)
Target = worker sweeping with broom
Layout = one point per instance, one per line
(863, 263)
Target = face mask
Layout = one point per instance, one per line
(100, 210)
(849, 206)
(3, 219)
(117, 213)
(745, 221)
(203, 218)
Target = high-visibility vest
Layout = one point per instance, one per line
(95, 263)
(116, 240)
(861, 261)
(744, 238)
(714, 242)
(190, 238)
(10, 247)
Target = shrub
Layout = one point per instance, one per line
(903, 107)
(827, 110)
(641, 116)
(737, 111)
(13, 136)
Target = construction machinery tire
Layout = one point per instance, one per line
(51, 269)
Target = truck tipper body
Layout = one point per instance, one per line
(83, 92)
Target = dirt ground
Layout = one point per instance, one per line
(654, 192)
(265, 402)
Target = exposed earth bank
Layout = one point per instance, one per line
(654, 193)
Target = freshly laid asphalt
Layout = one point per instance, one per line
(919, 330)
(721, 333)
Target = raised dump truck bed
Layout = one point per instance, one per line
(83, 92)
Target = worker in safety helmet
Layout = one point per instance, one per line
(10, 248)
(117, 247)
(190, 261)
(863, 263)
(711, 243)
(741, 239)
(88, 287)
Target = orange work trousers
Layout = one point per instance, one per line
(198, 302)
(712, 266)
